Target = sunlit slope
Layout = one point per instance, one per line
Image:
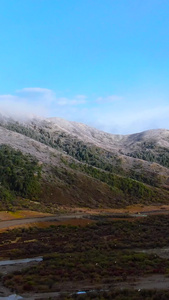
(82, 166)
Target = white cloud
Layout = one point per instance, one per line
(80, 99)
(113, 116)
(108, 99)
(34, 90)
(37, 94)
(131, 120)
(29, 102)
(17, 107)
(7, 98)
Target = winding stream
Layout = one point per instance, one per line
(20, 261)
(12, 297)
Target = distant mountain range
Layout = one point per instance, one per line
(82, 166)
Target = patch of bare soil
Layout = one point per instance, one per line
(73, 222)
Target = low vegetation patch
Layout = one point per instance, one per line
(99, 253)
(120, 295)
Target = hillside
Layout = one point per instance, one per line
(82, 166)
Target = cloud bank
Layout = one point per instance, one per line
(32, 102)
(105, 113)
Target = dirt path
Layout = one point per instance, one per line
(10, 220)
(9, 224)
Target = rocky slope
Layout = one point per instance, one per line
(82, 166)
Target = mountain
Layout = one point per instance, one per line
(72, 164)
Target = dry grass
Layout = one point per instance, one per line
(21, 214)
(138, 208)
(25, 214)
(72, 222)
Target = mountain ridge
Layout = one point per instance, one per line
(82, 166)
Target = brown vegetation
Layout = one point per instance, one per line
(99, 253)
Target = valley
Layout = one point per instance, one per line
(102, 255)
(93, 205)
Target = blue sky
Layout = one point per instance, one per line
(101, 62)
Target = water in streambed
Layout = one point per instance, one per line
(12, 297)
(20, 261)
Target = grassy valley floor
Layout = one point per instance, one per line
(88, 251)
